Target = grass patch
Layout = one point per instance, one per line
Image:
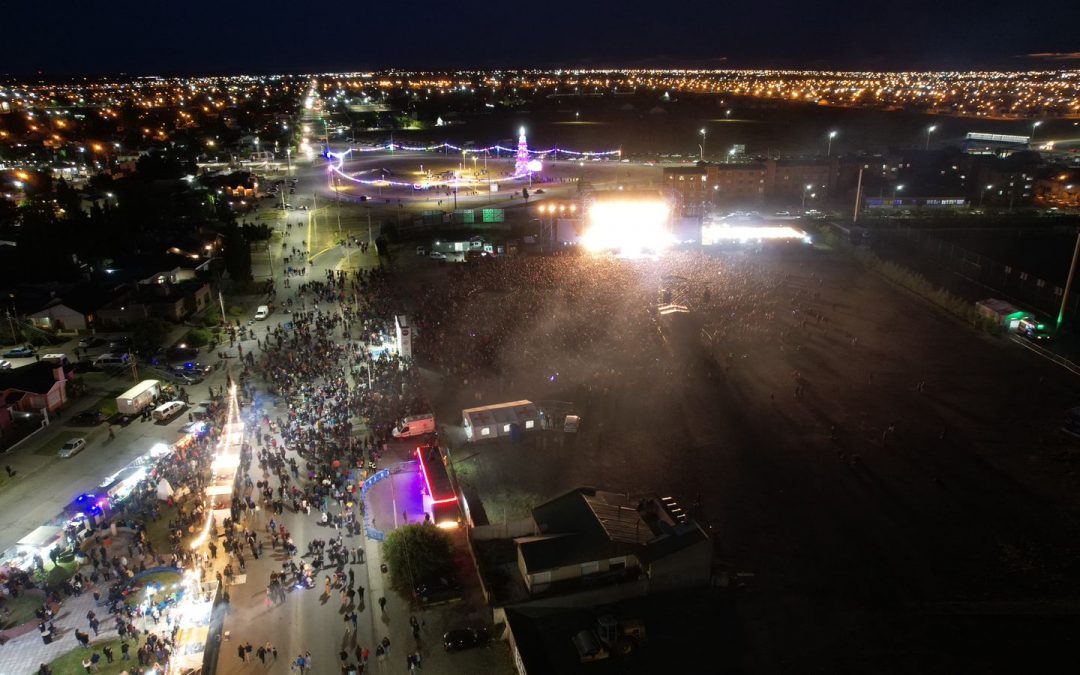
(157, 531)
(164, 579)
(71, 662)
(17, 611)
(506, 505)
(55, 575)
(52, 447)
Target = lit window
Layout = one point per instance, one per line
(506, 428)
(529, 424)
(484, 431)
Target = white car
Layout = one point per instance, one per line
(5, 365)
(167, 411)
(73, 447)
(436, 255)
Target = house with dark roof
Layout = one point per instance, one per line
(74, 309)
(683, 632)
(34, 387)
(589, 537)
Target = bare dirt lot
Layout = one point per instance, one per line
(896, 484)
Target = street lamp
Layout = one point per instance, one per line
(982, 195)
(832, 135)
(1034, 126)
(806, 189)
(896, 189)
(702, 144)
(929, 130)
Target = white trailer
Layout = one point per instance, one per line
(501, 419)
(134, 400)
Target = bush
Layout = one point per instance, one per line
(416, 552)
(198, 337)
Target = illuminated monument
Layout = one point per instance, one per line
(521, 160)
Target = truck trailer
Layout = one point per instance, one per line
(134, 400)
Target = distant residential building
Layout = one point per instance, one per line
(157, 296)
(1058, 187)
(589, 537)
(74, 309)
(750, 183)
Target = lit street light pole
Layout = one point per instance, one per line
(832, 135)
(982, 195)
(701, 145)
(1034, 125)
(929, 130)
(806, 189)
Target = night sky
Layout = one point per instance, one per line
(66, 37)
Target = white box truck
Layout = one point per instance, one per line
(134, 400)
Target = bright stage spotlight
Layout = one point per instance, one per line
(630, 227)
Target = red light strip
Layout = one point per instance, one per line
(423, 470)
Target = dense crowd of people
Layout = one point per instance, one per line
(582, 324)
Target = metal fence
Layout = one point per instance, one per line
(1006, 281)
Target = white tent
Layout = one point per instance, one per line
(164, 490)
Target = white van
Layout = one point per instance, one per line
(56, 359)
(167, 411)
(262, 312)
(415, 425)
(111, 361)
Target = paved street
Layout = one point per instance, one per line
(307, 622)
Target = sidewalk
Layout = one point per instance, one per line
(24, 654)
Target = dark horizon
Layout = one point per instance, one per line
(136, 39)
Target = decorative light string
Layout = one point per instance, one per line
(337, 161)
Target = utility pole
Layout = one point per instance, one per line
(858, 198)
(1069, 282)
(221, 301)
(11, 318)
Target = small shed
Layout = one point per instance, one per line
(1000, 312)
(501, 419)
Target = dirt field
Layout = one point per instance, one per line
(932, 530)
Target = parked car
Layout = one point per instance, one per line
(5, 365)
(464, 638)
(186, 377)
(436, 590)
(18, 353)
(120, 344)
(167, 411)
(437, 255)
(181, 352)
(110, 360)
(194, 367)
(73, 447)
(91, 341)
(87, 418)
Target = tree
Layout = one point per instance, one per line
(237, 254)
(198, 337)
(149, 334)
(415, 553)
